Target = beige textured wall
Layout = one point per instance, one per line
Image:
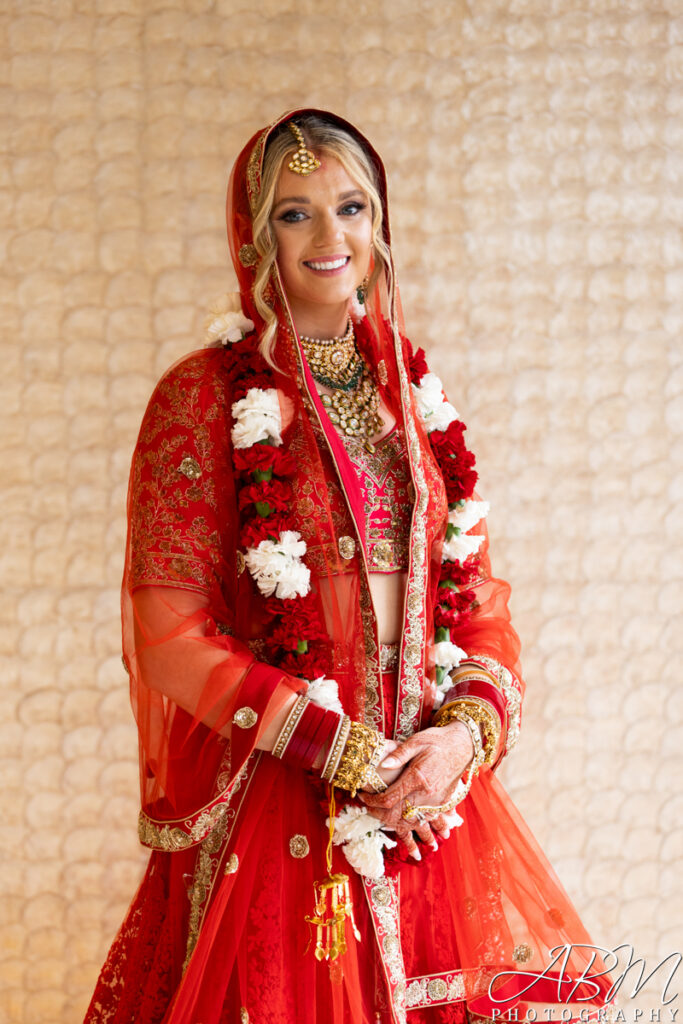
(534, 151)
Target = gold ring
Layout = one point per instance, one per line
(411, 813)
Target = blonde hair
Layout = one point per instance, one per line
(327, 137)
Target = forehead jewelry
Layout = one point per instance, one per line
(303, 162)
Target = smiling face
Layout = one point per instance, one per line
(323, 228)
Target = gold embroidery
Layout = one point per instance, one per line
(245, 718)
(205, 867)
(381, 895)
(431, 990)
(523, 953)
(173, 540)
(240, 562)
(248, 255)
(190, 468)
(254, 168)
(244, 1015)
(298, 846)
(211, 853)
(382, 374)
(388, 656)
(185, 832)
(232, 864)
(383, 900)
(385, 477)
(382, 556)
(411, 679)
(161, 837)
(347, 547)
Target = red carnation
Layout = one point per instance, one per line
(264, 457)
(245, 383)
(261, 528)
(449, 441)
(460, 573)
(292, 629)
(277, 494)
(310, 665)
(418, 366)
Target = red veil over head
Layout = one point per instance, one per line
(195, 638)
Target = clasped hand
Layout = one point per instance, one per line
(423, 770)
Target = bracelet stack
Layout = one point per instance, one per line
(308, 730)
(358, 763)
(478, 712)
(353, 750)
(476, 694)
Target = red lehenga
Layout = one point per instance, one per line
(217, 930)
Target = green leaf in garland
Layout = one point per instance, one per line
(302, 647)
(263, 508)
(449, 585)
(260, 475)
(452, 531)
(442, 634)
(441, 674)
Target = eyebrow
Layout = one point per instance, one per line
(305, 199)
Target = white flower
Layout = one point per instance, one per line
(469, 514)
(364, 839)
(325, 693)
(354, 823)
(226, 323)
(276, 566)
(365, 855)
(435, 411)
(257, 418)
(447, 655)
(461, 546)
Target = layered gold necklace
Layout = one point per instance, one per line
(353, 405)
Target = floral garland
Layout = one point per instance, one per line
(456, 601)
(275, 552)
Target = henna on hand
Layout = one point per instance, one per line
(430, 763)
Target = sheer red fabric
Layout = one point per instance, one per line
(217, 931)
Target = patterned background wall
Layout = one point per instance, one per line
(534, 151)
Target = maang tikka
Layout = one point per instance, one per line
(303, 162)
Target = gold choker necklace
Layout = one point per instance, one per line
(334, 362)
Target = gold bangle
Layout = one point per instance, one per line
(482, 713)
(362, 753)
(472, 725)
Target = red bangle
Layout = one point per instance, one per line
(313, 731)
(323, 735)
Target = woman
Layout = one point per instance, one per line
(322, 666)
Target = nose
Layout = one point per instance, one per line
(328, 229)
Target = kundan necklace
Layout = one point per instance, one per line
(337, 364)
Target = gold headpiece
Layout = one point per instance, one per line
(303, 161)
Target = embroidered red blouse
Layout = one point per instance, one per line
(388, 498)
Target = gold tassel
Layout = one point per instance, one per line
(333, 905)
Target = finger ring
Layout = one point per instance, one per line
(413, 813)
